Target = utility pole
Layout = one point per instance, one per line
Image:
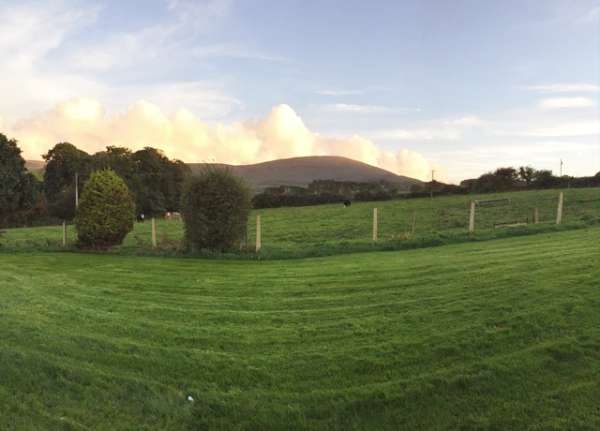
(76, 190)
(432, 181)
(561, 167)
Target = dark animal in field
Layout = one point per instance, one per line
(347, 203)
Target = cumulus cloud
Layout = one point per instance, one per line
(281, 133)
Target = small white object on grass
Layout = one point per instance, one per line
(190, 399)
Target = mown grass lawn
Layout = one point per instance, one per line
(502, 335)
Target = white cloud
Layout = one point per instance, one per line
(231, 50)
(554, 130)
(357, 109)
(282, 133)
(122, 51)
(592, 15)
(566, 103)
(466, 121)
(43, 65)
(338, 93)
(436, 130)
(203, 13)
(28, 34)
(419, 134)
(581, 128)
(163, 42)
(203, 98)
(566, 87)
(350, 108)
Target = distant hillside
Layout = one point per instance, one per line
(300, 171)
(36, 167)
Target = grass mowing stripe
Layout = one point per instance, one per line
(500, 335)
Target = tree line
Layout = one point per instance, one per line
(155, 181)
(501, 180)
(525, 178)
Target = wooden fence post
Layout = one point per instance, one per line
(375, 224)
(258, 234)
(536, 216)
(559, 211)
(153, 232)
(414, 223)
(472, 218)
(64, 232)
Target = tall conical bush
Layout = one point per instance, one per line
(106, 211)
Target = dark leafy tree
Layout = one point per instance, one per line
(19, 190)
(545, 179)
(118, 159)
(64, 163)
(506, 178)
(149, 181)
(176, 174)
(215, 208)
(106, 211)
(526, 174)
(158, 181)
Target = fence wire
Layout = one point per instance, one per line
(311, 227)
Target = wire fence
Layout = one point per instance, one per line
(338, 228)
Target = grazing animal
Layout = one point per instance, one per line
(347, 203)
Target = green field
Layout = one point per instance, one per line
(333, 229)
(501, 335)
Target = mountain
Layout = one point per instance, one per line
(300, 171)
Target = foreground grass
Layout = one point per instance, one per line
(333, 229)
(485, 336)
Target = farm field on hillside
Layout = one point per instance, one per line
(496, 335)
(330, 229)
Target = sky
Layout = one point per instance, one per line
(416, 87)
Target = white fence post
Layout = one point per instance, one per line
(559, 211)
(153, 232)
(472, 218)
(258, 234)
(375, 224)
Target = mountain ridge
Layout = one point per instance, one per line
(301, 171)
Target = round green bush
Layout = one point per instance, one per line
(215, 208)
(106, 211)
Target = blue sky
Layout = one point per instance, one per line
(461, 87)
